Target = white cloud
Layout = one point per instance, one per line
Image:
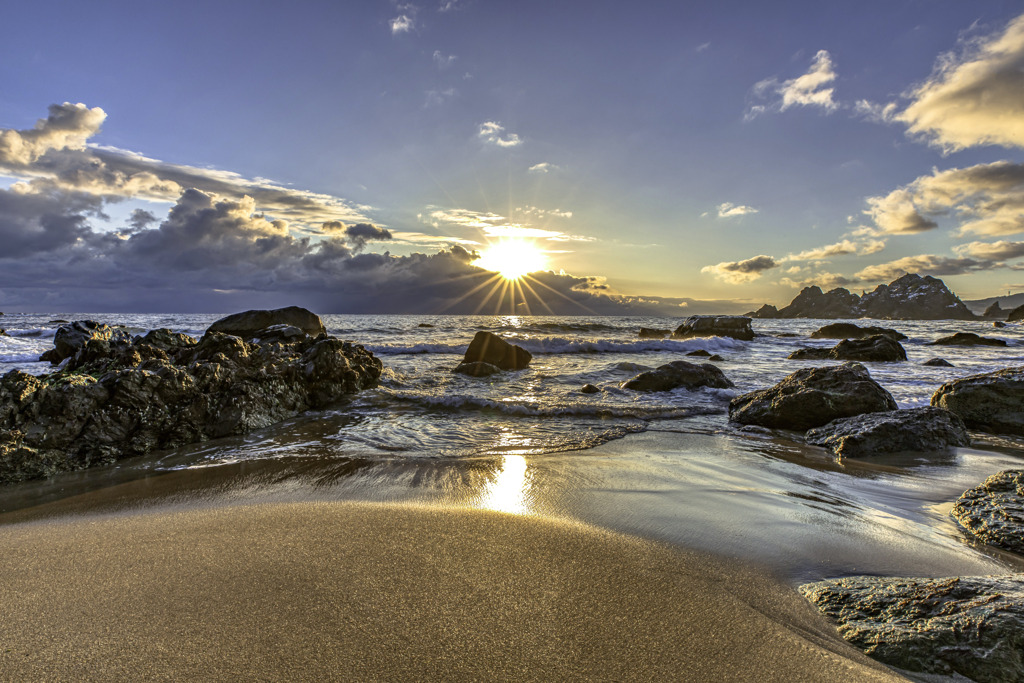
(493, 133)
(443, 61)
(436, 98)
(992, 251)
(842, 248)
(543, 167)
(67, 127)
(740, 272)
(925, 264)
(730, 210)
(807, 90)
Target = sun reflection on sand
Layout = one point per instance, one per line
(509, 491)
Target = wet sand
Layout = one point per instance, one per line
(343, 590)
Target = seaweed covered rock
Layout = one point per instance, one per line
(878, 349)
(990, 402)
(973, 626)
(914, 429)
(852, 331)
(677, 374)
(248, 324)
(812, 397)
(117, 399)
(993, 512)
(490, 348)
(735, 326)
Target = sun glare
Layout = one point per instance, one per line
(512, 259)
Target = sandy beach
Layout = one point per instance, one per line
(305, 591)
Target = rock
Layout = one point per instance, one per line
(811, 302)
(248, 323)
(55, 322)
(653, 333)
(590, 389)
(116, 399)
(990, 402)
(851, 331)
(938, 363)
(476, 368)
(812, 397)
(997, 324)
(913, 297)
(994, 511)
(879, 349)
(3, 332)
(284, 334)
(973, 626)
(68, 339)
(677, 374)
(994, 311)
(700, 352)
(914, 429)
(735, 326)
(1016, 315)
(715, 357)
(966, 339)
(490, 348)
(766, 311)
(424, 325)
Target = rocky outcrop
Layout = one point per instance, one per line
(490, 348)
(248, 323)
(915, 429)
(811, 302)
(938, 363)
(994, 511)
(68, 339)
(766, 311)
(851, 331)
(995, 311)
(700, 352)
(116, 399)
(990, 402)
(973, 626)
(734, 326)
(653, 333)
(812, 397)
(677, 374)
(878, 349)
(966, 339)
(1016, 315)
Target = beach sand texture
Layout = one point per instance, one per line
(357, 591)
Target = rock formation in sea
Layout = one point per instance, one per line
(995, 311)
(653, 333)
(489, 348)
(115, 398)
(878, 349)
(967, 339)
(914, 429)
(1016, 315)
(852, 331)
(677, 374)
(68, 339)
(990, 402)
(938, 363)
(812, 397)
(993, 511)
(735, 326)
(247, 323)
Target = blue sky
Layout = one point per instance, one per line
(659, 153)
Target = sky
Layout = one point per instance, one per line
(381, 157)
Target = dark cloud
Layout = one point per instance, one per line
(738, 272)
(361, 233)
(31, 224)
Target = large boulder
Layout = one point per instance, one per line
(1016, 315)
(811, 302)
(915, 429)
(248, 323)
(973, 626)
(852, 331)
(164, 390)
(993, 512)
(812, 397)
(878, 349)
(735, 326)
(966, 339)
(677, 374)
(490, 348)
(990, 402)
(68, 339)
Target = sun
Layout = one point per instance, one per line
(512, 258)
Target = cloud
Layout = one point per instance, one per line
(492, 225)
(404, 22)
(67, 127)
(361, 233)
(739, 272)
(992, 251)
(436, 98)
(702, 47)
(823, 279)
(925, 264)
(843, 248)
(543, 167)
(443, 61)
(986, 199)
(974, 97)
(730, 210)
(807, 90)
(493, 133)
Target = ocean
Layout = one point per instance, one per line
(665, 465)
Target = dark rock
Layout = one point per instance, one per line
(281, 334)
(116, 399)
(735, 326)
(700, 352)
(973, 626)
(653, 333)
(766, 311)
(715, 357)
(913, 297)
(811, 302)
(677, 374)
(997, 324)
(995, 311)
(812, 397)
(248, 324)
(476, 368)
(915, 429)
(851, 331)
(994, 511)
(590, 389)
(424, 325)
(1016, 315)
(55, 322)
(990, 402)
(3, 332)
(938, 363)
(70, 338)
(966, 339)
(879, 349)
(490, 348)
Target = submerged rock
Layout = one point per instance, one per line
(914, 429)
(116, 399)
(879, 348)
(990, 402)
(973, 626)
(653, 333)
(735, 326)
(476, 368)
(677, 374)
(851, 331)
(490, 348)
(590, 389)
(812, 397)
(966, 339)
(248, 323)
(997, 324)
(993, 512)
(700, 352)
(939, 363)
